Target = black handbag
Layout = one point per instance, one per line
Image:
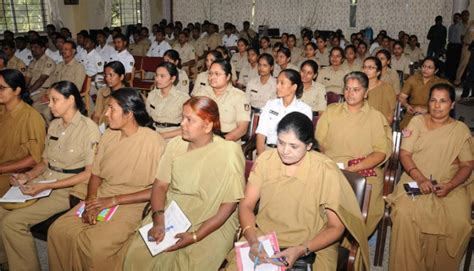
(303, 263)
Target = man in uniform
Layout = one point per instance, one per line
(40, 69)
(22, 52)
(248, 33)
(56, 54)
(159, 45)
(94, 66)
(141, 45)
(122, 55)
(13, 61)
(468, 37)
(200, 46)
(213, 39)
(412, 51)
(105, 51)
(186, 51)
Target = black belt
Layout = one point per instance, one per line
(166, 124)
(273, 146)
(67, 171)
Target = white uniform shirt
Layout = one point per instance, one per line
(25, 56)
(93, 63)
(274, 111)
(158, 50)
(105, 52)
(126, 58)
(54, 55)
(81, 54)
(230, 41)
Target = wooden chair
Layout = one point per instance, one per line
(362, 191)
(149, 64)
(251, 139)
(137, 66)
(332, 97)
(392, 173)
(85, 93)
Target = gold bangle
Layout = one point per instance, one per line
(156, 213)
(246, 228)
(194, 237)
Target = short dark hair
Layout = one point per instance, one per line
(15, 79)
(295, 79)
(359, 76)
(299, 124)
(67, 88)
(131, 101)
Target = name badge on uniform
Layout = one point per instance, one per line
(253, 90)
(203, 84)
(53, 137)
(95, 147)
(152, 106)
(273, 112)
(246, 107)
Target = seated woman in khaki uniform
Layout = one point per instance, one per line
(352, 62)
(172, 56)
(388, 75)
(283, 60)
(380, 95)
(333, 76)
(226, 56)
(123, 171)
(265, 45)
(70, 145)
(239, 59)
(23, 128)
(234, 108)
(415, 91)
(362, 50)
(304, 198)
(249, 69)
(275, 49)
(202, 80)
(314, 93)
(164, 102)
(114, 75)
(263, 88)
(431, 231)
(358, 136)
(296, 52)
(309, 53)
(204, 175)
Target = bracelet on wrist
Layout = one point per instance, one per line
(194, 237)
(157, 213)
(246, 228)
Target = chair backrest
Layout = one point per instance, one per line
(248, 168)
(138, 62)
(397, 117)
(358, 184)
(315, 120)
(150, 63)
(254, 118)
(401, 77)
(332, 97)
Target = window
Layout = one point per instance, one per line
(22, 15)
(126, 12)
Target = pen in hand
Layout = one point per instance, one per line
(255, 264)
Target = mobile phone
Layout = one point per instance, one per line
(281, 260)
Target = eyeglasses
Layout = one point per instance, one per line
(216, 73)
(355, 90)
(369, 67)
(3, 87)
(428, 67)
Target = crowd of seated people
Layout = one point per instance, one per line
(312, 105)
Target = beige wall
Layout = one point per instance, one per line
(89, 14)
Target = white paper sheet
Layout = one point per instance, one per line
(14, 194)
(413, 185)
(340, 165)
(175, 222)
(247, 263)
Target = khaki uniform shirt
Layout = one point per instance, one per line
(315, 97)
(247, 73)
(186, 52)
(43, 65)
(23, 133)
(71, 147)
(72, 71)
(391, 77)
(402, 64)
(417, 91)
(183, 84)
(127, 164)
(238, 61)
(248, 35)
(414, 55)
(213, 41)
(297, 54)
(101, 104)
(259, 94)
(277, 69)
(322, 58)
(233, 106)
(140, 48)
(16, 64)
(356, 66)
(202, 81)
(166, 109)
(268, 51)
(333, 80)
(383, 98)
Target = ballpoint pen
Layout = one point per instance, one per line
(255, 264)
